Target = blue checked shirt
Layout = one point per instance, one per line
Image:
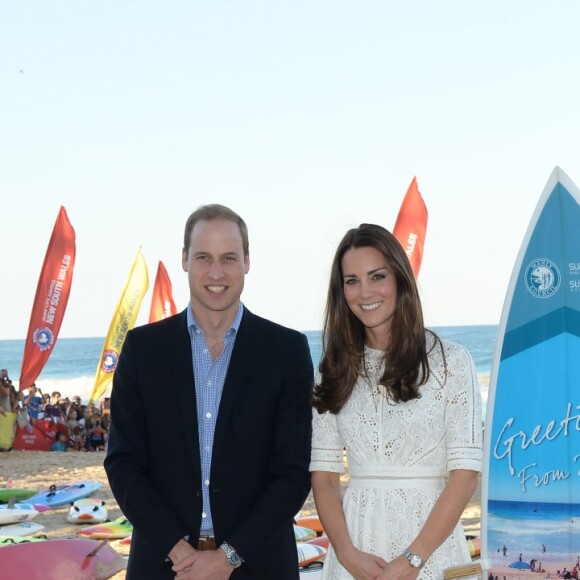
(209, 383)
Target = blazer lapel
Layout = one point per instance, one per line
(241, 360)
(181, 373)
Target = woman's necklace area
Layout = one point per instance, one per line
(374, 363)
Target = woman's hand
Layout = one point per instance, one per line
(399, 569)
(363, 566)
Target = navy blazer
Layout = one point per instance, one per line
(260, 461)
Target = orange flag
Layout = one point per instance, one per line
(411, 226)
(50, 301)
(162, 304)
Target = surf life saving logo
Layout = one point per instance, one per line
(43, 338)
(542, 278)
(110, 359)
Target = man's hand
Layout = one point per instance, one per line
(207, 565)
(182, 551)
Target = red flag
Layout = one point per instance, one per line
(411, 226)
(162, 305)
(50, 301)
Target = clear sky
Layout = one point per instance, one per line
(306, 117)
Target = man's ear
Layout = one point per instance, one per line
(184, 259)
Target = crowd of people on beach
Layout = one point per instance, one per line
(537, 566)
(78, 426)
(574, 572)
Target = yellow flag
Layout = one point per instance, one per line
(123, 321)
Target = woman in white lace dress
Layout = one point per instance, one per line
(405, 405)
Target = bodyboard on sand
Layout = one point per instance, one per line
(309, 553)
(302, 534)
(313, 572)
(11, 540)
(311, 522)
(474, 545)
(320, 541)
(11, 516)
(88, 511)
(531, 475)
(120, 528)
(60, 559)
(59, 495)
(21, 529)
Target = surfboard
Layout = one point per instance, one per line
(59, 495)
(60, 559)
(21, 529)
(531, 475)
(11, 516)
(6, 494)
(22, 505)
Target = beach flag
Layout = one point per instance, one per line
(123, 320)
(162, 304)
(50, 301)
(411, 226)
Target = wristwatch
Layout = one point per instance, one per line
(233, 558)
(414, 559)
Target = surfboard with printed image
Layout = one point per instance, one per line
(531, 477)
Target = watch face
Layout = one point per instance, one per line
(416, 561)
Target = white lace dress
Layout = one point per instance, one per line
(398, 455)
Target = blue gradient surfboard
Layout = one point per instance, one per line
(531, 479)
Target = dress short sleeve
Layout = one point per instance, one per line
(463, 418)
(327, 445)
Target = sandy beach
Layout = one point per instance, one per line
(38, 470)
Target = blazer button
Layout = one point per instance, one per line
(198, 494)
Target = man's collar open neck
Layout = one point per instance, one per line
(215, 324)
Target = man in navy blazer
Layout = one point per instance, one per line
(209, 445)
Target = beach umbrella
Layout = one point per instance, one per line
(520, 565)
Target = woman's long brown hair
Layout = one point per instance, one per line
(343, 335)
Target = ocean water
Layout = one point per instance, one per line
(523, 527)
(72, 366)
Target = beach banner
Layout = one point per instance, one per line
(7, 430)
(531, 476)
(123, 320)
(38, 435)
(162, 304)
(50, 302)
(411, 226)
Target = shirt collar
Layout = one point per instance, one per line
(193, 326)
